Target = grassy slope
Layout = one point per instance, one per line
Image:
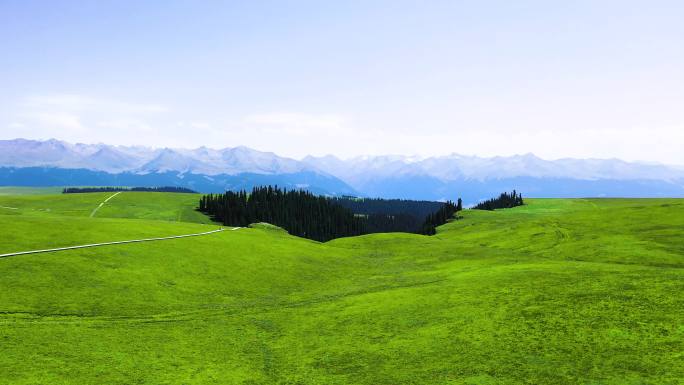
(559, 291)
(14, 190)
(138, 205)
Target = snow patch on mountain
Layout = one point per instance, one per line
(455, 167)
(116, 159)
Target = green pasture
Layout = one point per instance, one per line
(11, 190)
(179, 207)
(553, 292)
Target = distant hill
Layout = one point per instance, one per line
(52, 176)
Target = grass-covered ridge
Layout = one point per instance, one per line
(553, 292)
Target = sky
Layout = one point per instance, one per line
(582, 79)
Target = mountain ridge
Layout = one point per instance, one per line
(456, 166)
(232, 160)
(390, 176)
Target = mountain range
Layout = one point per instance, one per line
(58, 163)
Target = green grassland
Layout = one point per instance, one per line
(178, 207)
(12, 190)
(553, 292)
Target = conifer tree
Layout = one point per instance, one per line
(306, 215)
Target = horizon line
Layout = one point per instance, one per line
(380, 155)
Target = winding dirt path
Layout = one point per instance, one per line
(113, 243)
(102, 204)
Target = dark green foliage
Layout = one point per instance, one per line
(76, 190)
(504, 201)
(172, 189)
(388, 206)
(392, 223)
(299, 212)
(390, 215)
(315, 217)
(438, 218)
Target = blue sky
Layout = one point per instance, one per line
(559, 79)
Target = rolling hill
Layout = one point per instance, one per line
(559, 291)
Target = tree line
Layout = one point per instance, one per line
(440, 217)
(388, 206)
(504, 201)
(171, 189)
(298, 211)
(390, 215)
(306, 215)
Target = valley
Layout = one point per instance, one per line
(558, 291)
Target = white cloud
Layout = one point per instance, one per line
(79, 103)
(85, 119)
(57, 119)
(128, 125)
(81, 118)
(295, 123)
(200, 125)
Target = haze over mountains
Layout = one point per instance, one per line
(102, 157)
(57, 163)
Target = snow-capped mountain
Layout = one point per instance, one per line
(391, 176)
(102, 157)
(171, 160)
(475, 178)
(458, 167)
(109, 159)
(57, 163)
(27, 153)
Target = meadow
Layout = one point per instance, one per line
(576, 291)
